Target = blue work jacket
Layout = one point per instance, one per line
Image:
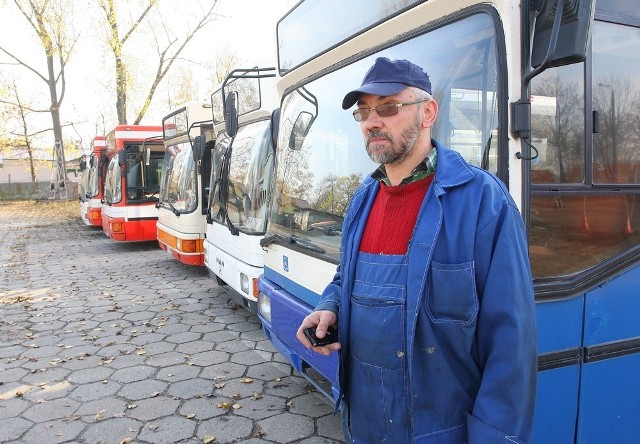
(470, 330)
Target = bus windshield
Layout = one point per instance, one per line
(179, 186)
(93, 177)
(112, 183)
(143, 177)
(321, 154)
(242, 199)
(298, 42)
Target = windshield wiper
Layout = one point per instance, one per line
(292, 240)
(173, 209)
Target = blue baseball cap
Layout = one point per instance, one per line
(388, 77)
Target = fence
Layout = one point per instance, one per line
(33, 191)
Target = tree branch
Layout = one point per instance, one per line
(20, 62)
(137, 22)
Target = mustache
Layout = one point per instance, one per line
(378, 135)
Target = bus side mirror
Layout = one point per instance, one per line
(198, 148)
(231, 113)
(300, 130)
(122, 158)
(570, 45)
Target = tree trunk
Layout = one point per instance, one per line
(55, 118)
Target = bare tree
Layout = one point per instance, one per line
(185, 90)
(18, 129)
(20, 136)
(49, 20)
(167, 43)
(225, 62)
(116, 43)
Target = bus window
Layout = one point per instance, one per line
(585, 185)
(179, 188)
(616, 158)
(249, 170)
(557, 109)
(320, 166)
(134, 176)
(113, 188)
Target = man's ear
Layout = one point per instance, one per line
(429, 114)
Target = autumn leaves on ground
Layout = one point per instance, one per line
(52, 210)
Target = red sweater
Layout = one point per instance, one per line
(393, 216)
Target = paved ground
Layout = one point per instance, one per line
(105, 342)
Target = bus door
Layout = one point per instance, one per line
(585, 236)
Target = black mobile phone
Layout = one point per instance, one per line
(329, 338)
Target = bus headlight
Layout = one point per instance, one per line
(244, 283)
(264, 306)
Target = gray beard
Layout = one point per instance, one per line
(398, 151)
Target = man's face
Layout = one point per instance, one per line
(390, 140)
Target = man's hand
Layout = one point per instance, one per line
(322, 320)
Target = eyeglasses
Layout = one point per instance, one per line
(384, 110)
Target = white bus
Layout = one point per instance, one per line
(188, 136)
(241, 178)
(92, 183)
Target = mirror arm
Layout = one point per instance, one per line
(552, 46)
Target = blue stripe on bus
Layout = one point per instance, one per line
(302, 293)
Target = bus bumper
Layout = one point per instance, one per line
(281, 314)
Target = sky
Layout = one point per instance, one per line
(246, 27)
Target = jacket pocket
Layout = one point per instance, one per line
(376, 332)
(453, 435)
(452, 293)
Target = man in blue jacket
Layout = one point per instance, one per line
(433, 298)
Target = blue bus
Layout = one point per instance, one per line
(542, 93)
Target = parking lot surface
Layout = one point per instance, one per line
(108, 342)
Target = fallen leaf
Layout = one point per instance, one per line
(225, 405)
(71, 418)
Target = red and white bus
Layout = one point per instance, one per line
(93, 183)
(132, 182)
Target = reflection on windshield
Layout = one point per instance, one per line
(321, 154)
(93, 178)
(112, 186)
(241, 175)
(297, 41)
(179, 185)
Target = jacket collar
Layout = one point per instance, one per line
(451, 169)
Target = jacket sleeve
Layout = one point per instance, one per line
(331, 296)
(506, 334)
(330, 299)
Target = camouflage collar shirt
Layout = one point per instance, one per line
(424, 169)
